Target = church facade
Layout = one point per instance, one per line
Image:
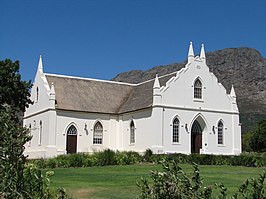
(187, 111)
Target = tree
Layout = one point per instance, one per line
(12, 164)
(13, 91)
(258, 137)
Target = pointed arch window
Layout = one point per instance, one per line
(198, 89)
(98, 133)
(40, 134)
(30, 135)
(220, 132)
(175, 130)
(72, 130)
(37, 94)
(132, 132)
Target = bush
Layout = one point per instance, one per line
(128, 157)
(173, 182)
(258, 137)
(148, 155)
(106, 157)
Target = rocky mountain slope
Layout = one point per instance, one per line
(245, 68)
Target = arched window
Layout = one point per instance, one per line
(132, 132)
(72, 130)
(198, 89)
(220, 132)
(37, 94)
(40, 133)
(29, 134)
(98, 133)
(175, 130)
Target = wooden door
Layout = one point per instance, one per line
(71, 144)
(197, 143)
(196, 137)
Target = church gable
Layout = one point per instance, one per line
(196, 87)
(41, 92)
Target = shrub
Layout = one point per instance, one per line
(148, 155)
(128, 157)
(173, 182)
(106, 157)
(258, 137)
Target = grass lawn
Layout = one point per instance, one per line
(120, 181)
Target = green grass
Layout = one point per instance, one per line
(120, 181)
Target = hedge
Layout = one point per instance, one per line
(109, 157)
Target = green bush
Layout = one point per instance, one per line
(147, 157)
(109, 157)
(173, 183)
(128, 157)
(106, 157)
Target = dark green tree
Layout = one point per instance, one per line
(258, 137)
(12, 160)
(13, 91)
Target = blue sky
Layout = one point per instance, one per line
(101, 38)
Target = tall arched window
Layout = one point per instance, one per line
(40, 133)
(175, 130)
(37, 94)
(198, 89)
(132, 132)
(29, 134)
(98, 133)
(220, 132)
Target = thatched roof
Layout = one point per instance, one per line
(90, 95)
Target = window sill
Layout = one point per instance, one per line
(132, 144)
(221, 145)
(198, 100)
(176, 143)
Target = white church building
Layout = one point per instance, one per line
(187, 111)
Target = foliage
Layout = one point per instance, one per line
(148, 155)
(19, 180)
(12, 140)
(173, 183)
(13, 91)
(258, 137)
(253, 188)
(246, 141)
(109, 157)
(128, 157)
(106, 157)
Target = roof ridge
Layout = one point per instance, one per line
(92, 79)
(158, 77)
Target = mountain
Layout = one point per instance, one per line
(244, 68)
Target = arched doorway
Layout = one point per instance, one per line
(196, 135)
(71, 144)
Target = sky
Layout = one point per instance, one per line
(101, 38)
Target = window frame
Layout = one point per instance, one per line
(132, 133)
(176, 131)
(220, 133)
(197, 91)
(97, 133)
(40, 134)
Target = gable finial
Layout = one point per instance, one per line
(40, 66)
(232, 93)
(52, 92)
(190, 53)
(156, 84)
(202, 53)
